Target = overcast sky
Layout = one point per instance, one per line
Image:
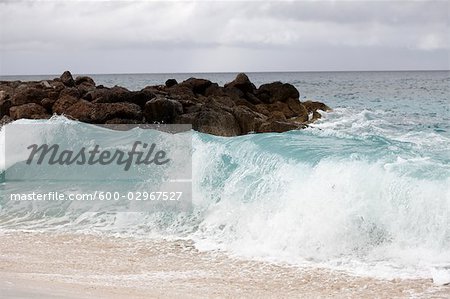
(152, 37)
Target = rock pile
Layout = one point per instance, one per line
(237, 108)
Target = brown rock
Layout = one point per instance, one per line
(64, 102)
(216, 122)
(84, 80)
(277, 127)
(25, 95)
(162, 110)
(242, 82)
(312, 106)
(82, 110)
(248, 120)
(277, 91)
(67, 79)
(198, 86)
(31, 111)
(282, 107)
(48, 104)
(107, 111)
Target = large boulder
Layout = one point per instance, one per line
(30, 110)
(162, 110)
(67, 79)
(277, 91)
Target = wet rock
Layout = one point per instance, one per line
(278, 127)
(312, 106)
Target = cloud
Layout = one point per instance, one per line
(82, 27)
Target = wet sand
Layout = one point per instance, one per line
(38, 265)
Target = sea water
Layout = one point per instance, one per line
(366, 189)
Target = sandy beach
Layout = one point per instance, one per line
(38, 265)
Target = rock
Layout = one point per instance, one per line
(48, 104)
(242, 82)
(238, 108)
(315, 116)
(198, 86)
(296, 106)
(71, 92)
(84, 80)
(278, 127)
(31, 111)
(277, 91)
(64, 102)
(107, 111)
(141, 97)
(5, 105)
(171, 82)
(248, 120)
(67, 79)
(113, 95)
(82, 110)
(162, 110)
(5, 120)
(216, 122)
(312, 106)
(282, 107)
(46, 84)
(277, 116)
(27, 95)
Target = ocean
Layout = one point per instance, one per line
(365, 190)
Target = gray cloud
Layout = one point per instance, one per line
(99, 36)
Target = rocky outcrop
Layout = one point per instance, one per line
(237, 108)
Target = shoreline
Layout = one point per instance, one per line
(86, 266)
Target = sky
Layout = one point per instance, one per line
(93, 37)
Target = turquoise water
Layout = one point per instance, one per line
(366, 189)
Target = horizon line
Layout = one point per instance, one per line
(232, 72)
